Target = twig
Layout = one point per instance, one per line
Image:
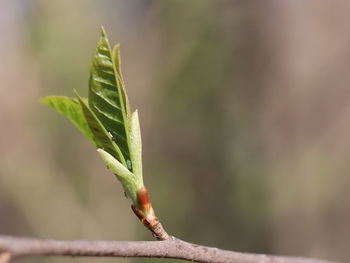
(144, 211)
(172, 248)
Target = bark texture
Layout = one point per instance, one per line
(13, 247)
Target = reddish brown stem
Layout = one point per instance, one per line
(144, 211)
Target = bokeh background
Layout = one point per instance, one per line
(245, 117)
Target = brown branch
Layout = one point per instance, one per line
(13, 247)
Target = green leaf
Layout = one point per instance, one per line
(70, 107)
(107, 99)
(135, 144)
(105, 118)
(131, 182)
(102, 137)
(117, 60)
(117, 63)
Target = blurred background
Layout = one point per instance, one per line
(245, 117)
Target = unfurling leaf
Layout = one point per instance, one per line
(102, 137)
(107, 99)
(135, 144)
(70, 107)
(105, 118)
(131, 183)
